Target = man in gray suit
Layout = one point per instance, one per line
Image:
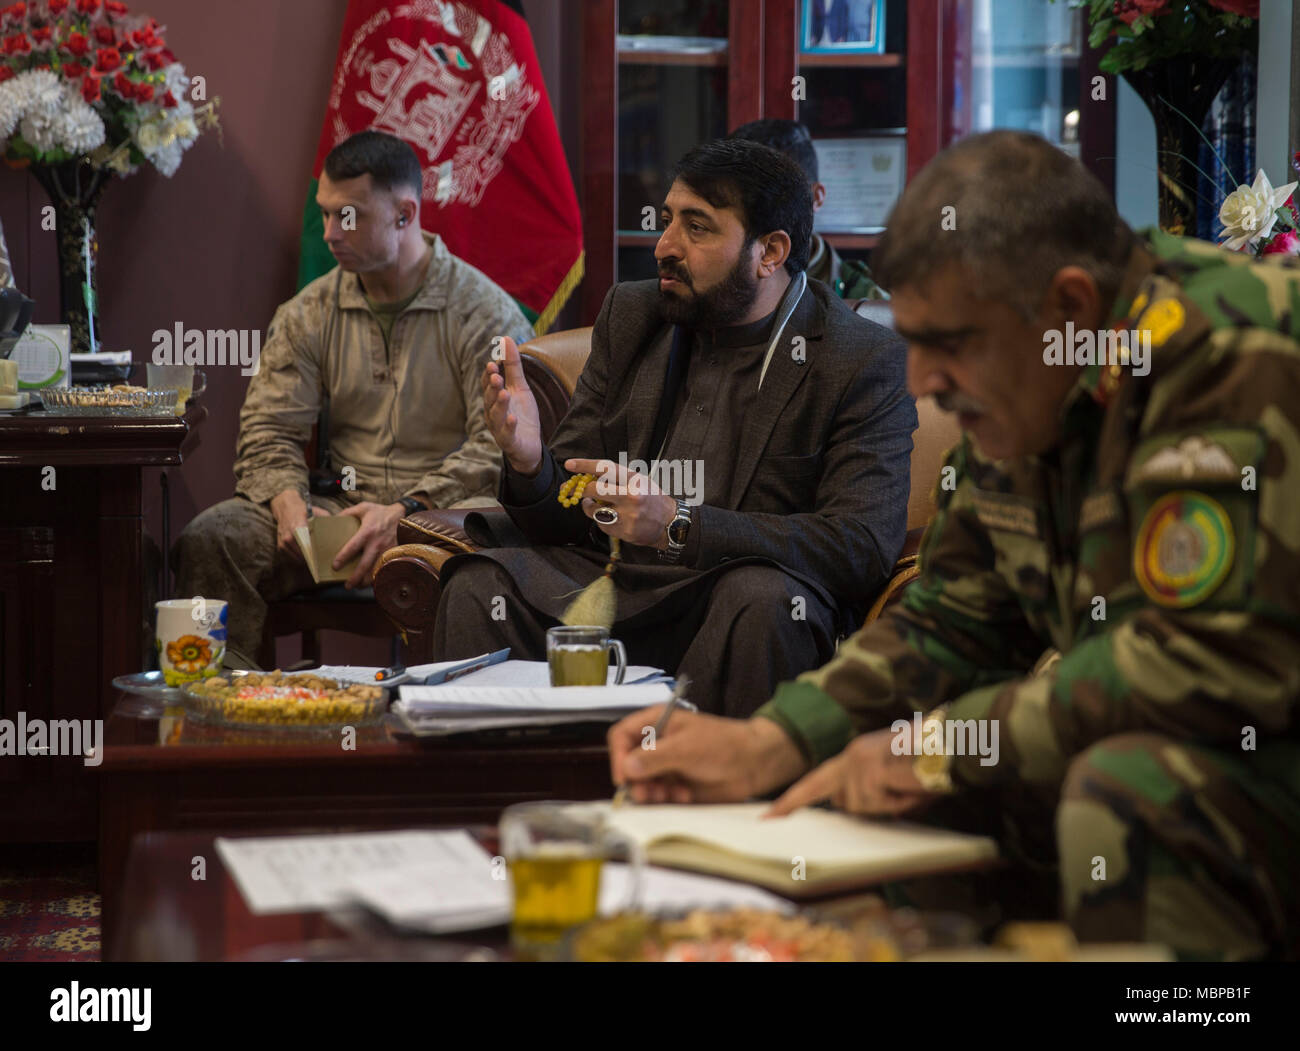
(773, 428)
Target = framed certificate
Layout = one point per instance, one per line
(854, 27)
(863, 178)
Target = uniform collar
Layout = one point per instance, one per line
(431, 295)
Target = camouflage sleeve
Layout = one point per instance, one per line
(958, 626)
(1208, 649)
(282, 404)
(472, 471)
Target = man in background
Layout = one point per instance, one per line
(849, 279)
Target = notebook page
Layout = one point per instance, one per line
(821, 837)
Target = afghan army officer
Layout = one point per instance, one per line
(1108, 609)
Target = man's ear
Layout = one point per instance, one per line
(818, 195)
(1073, 296)
(408, 212)
(776, 250)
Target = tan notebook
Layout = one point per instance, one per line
(321, 539)
(838, 852)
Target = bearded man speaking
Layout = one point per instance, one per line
(774, 426)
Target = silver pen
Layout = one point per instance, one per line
(678, 695)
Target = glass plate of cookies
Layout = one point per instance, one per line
(118, 400)
(297, 701)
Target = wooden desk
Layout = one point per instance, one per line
(161, 774)
(72, 595)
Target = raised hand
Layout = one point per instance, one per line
(511, 410)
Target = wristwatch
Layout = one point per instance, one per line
(933, 771)
(677, 530)
(411, 504)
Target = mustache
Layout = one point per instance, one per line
(956, 401)
(676, 273)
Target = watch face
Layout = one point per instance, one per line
(677, 531)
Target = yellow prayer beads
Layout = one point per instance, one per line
(571, 491)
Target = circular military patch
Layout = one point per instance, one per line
(1184, 549)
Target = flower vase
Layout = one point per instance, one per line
(1179, 92)
(74, 190)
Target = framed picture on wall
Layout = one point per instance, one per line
(855, 27)
(863, 178)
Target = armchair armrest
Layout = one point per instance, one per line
(905, 571)
(407, 585)
(439, 528)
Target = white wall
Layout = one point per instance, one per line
(1135, 152)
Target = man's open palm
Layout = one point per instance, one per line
(511, 410)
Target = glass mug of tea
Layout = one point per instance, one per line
(580, 656)
(555, 853)
(184, 379)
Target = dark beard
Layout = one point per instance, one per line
(723, 304)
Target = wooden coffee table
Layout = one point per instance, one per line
(162, 773)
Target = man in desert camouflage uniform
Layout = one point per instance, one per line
(1112, 579)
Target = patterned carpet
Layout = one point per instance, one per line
(49, 908)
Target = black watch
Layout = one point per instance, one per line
(677, 530)
(412, 505)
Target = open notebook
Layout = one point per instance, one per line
(838, 852)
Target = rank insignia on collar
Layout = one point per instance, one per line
(1162, 319)
(1184, 549)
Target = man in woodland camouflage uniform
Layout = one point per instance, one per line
(1112, 580)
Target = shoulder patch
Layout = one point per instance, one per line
(1184, 549)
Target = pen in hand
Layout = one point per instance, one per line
(679, 694)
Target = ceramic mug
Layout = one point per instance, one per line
(190, 639)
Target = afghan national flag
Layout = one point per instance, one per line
(459, 81)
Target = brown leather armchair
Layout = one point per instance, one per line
(407, 580)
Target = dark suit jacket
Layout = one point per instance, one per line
(822, 479)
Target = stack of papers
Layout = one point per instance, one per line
(436, 882)
(464, 707)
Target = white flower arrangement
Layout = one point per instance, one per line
(1249, 213)
(86, 81)
(48, 115)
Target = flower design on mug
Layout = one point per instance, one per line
(189, 653)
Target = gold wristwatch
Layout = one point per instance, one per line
(933, 771)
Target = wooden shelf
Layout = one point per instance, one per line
(646, 57)
(830, 60)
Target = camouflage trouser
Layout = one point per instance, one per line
(1156, 840)
(229, 552)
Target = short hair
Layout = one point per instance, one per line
(388, 160)
(767, 188)
(785, 136)
(1023, 209)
